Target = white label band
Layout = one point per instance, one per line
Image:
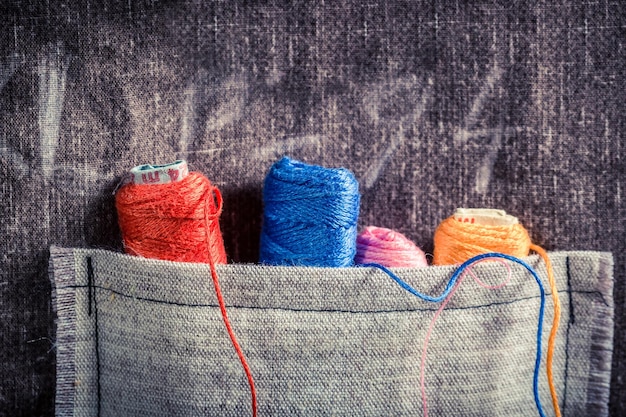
(485, 217)
(160, 174)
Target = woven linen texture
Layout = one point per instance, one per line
(145, 337)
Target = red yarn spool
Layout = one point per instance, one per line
(176, 217)
(177, 221)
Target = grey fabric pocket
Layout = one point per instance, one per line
(145, 337)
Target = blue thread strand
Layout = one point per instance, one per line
(310, 215)
(453, 279)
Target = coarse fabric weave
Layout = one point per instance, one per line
(145, 337)
(432, 104)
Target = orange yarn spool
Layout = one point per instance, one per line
(457, 241)
(177, 221)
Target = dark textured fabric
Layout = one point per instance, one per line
(433, 105)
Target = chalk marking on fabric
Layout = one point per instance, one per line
(53, 344)
(379, 95)
(7, 69)
(52, 71)
(207, 151)
(373, 173)
(188, 121)
(463, 134)
(487, 88)
(287, 146)
(13, 158)
(485, 170)
(233, 93)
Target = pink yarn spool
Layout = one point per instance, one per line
(388, 248)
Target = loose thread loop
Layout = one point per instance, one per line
(450, 286)
(218, 203)
(473, 231)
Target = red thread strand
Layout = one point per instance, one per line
(233, 338)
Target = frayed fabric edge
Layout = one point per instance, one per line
(63, 279)
(601, 350)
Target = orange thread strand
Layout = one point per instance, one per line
(555, 326)
(456, 241)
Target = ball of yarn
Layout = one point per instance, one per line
(176, 221)
(388, 248)
(457, 241)
(310, 215)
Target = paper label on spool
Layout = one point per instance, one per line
(485, 217)
(159, 174)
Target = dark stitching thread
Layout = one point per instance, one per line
(89, 283)
(173, 303)
(571, 321)
(572, 317)
(92, 293)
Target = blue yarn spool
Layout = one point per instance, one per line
(310, 215)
